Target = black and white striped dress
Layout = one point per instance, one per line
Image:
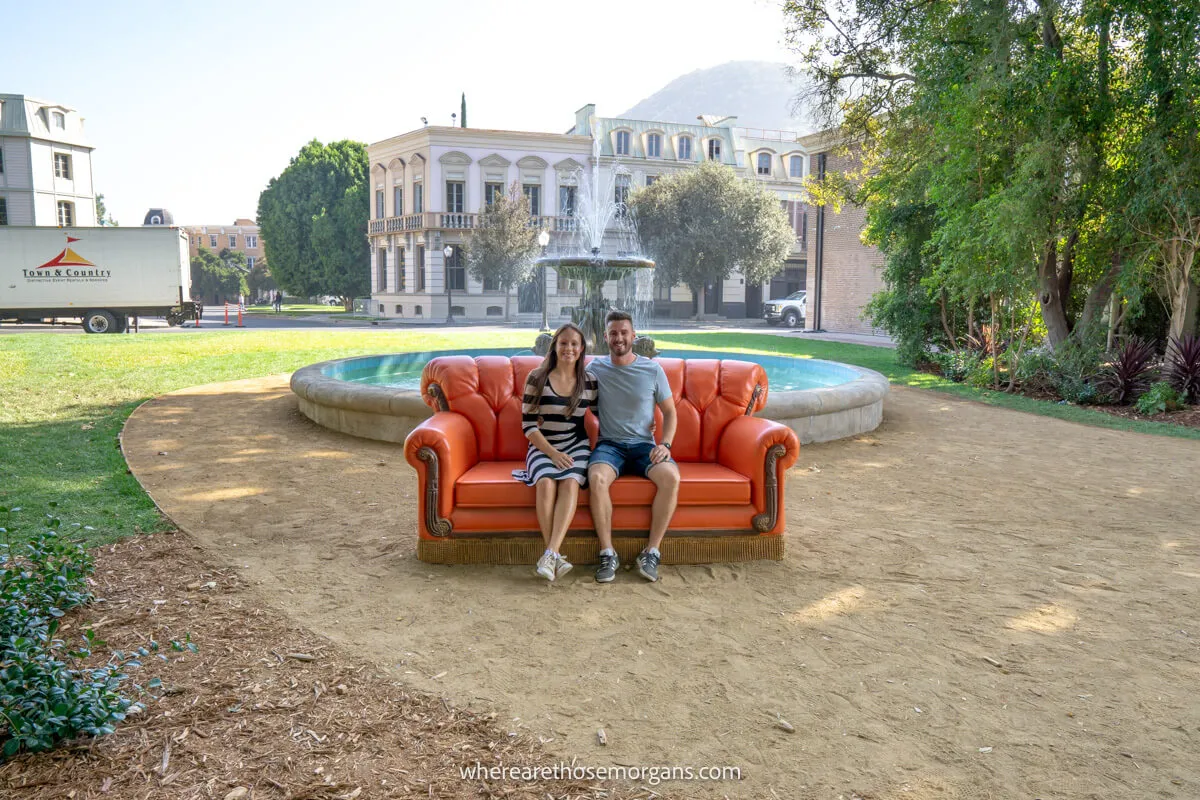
(566, 434)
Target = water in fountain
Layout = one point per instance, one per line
(603, 246)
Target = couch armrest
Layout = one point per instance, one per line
(441, 449)
(762, 450)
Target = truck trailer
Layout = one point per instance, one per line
(103, 276)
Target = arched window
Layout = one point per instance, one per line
(685, 148)
(622, 143)
(796, 166)
(654, 145)
(764, 164)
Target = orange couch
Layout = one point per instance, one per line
(472, 510)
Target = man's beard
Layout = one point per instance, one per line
(620, 348)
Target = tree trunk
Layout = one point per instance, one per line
(1183, 306)
(699, 303)
(1099, 296)
(1053, 312)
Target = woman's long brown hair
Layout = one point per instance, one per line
(538, 377)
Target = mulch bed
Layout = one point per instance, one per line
(1188, 417)
(264, 709)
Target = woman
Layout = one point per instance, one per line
(557, 395)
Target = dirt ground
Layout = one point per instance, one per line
(976, 603)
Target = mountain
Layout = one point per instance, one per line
(759, 93)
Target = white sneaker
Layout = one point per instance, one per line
(561, 567)
(546, 565)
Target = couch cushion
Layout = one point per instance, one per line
(490, 484)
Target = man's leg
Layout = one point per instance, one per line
(600, 479)
(666, 480)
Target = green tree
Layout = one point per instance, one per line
(313, 222)
(503, 248)
(102, 211)
(1003, 174)
(221, 277)
(260, 281)
(701, 224)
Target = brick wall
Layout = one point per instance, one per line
(852, 270)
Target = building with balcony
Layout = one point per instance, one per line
(45, 165)
(429, 187)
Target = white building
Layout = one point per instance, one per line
(430, 185)
(45, 165)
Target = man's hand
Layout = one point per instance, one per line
(562, 460)
(659, 454)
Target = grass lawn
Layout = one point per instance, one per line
(64, 398)
(297, 309)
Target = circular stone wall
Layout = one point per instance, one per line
(389, 414)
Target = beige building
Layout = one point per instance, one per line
(240, 237)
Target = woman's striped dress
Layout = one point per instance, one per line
(566, 434)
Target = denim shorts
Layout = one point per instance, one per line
(627, 458)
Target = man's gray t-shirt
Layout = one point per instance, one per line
(628, 396)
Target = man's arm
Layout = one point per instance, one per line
(670, 420)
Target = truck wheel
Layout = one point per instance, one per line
(791, 317)
(99, 321)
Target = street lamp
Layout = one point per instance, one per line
(448, 251)
(543, 240)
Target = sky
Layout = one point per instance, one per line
(196, 108)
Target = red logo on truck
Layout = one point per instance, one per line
(67, 258)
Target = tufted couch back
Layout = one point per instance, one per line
(487, 390)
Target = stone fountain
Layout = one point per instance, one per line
(603, 247)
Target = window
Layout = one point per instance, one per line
(622, 143)
(534, 193)
(457, 311)
(662, 292)
(764, 163)
(60, 120)
(566, 201)
(378, 204)
(650, 179)
(381, 267)
(685, 148)
(491, 285)
(714, 149)
(621, 194)
(1, 160)
(233, 240)
(250, 262)
(418, 198)
(454, 197)
(491, 191)
(3, 211)
(419, 266)
(400, 310)
(66, 214)
(251, 241)
(397, 201)
(495, 311)
(796, 166)
(400, 283)
(212, 241)
(455, 270)
(62, 166)
(419, 311)
(654, 146)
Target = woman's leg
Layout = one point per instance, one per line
(564, 512)
(546, 491)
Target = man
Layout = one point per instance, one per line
(630, 386)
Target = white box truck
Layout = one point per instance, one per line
(103, 276)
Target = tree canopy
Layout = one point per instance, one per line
(701, 224)
(313, 222)
(217, 277)
(503, 248)
(1017, 157)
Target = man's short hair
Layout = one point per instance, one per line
(617, 316)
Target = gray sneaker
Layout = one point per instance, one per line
(561, 567)
(608, 568)
(647, 565)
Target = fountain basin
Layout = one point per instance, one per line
(379, 397)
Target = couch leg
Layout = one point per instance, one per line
(437, 526)
(766, 521)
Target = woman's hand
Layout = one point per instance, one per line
(562, 460)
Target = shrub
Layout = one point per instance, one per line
(1130, 372)
(1035, 370)
(1075, 370)
(44, 697)
(956, 365)
(1159, 398)
(1183, 366)
(981, 376)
